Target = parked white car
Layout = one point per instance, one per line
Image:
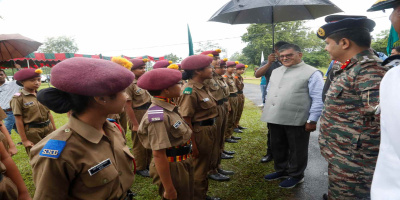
(45, 78)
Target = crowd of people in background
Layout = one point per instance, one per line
(180, 116)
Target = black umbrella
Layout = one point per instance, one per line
(273, 11)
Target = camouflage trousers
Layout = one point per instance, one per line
(347, 181)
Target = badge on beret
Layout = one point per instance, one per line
(52, 149)
(321, 32)
(155, 114)
(187, 90)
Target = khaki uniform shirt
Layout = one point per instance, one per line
(168, 131)
(231, 83)
(27, 105)
(3, 115)
(197, 102)
(137, 95)
(218, 87)
(90, 166)
(239, 82)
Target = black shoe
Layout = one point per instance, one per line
(241, 127)
(236, 138)
(219, 177)
(266, 158)
(19, 143)
(225, 172)
(229, 152)
(144, 173)
(237, 130)
(230, 140)
(325, 196)
(212, 198)
(224, 156)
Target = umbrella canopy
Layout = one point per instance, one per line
(16, 46)
(273, 11)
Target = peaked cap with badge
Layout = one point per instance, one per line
(344, 25)
(159, 79)
(384, 4)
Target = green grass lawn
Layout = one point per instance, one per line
(247, 183)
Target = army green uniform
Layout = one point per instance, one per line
(240, 85)
(233, 101)
(78, 162)
(141, 101)
(35, 116)
(220, 91)
(162, 127)
(350, 129)
(197, 103)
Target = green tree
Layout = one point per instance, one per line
(379, 43)
(62, 44)
(174, 58)
(208, 46)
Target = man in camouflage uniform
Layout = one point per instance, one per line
(350, 130)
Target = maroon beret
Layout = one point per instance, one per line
(159, 79)
(231, 63)
(223, 62)
(180, 66)
(90, 77)
(25, 74)
(138, 63)
(196, 62)
(162, 64)
(240, 66)
(213, 52)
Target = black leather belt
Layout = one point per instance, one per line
(207, 122)
(183, 150)
(220, 102)
(7, 110)
(232, 95)
(39, 125)
(225, 99)
(240, 92)
(1, 177)
(143, 107)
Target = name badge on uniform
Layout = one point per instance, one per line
(206, 99)
(177, 124)
(28, 103)
(93, 170)
(137, 91)
(52, 149)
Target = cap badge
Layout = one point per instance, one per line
(321, 32)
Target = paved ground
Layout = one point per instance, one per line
(316, 174)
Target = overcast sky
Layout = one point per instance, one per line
(136, 28)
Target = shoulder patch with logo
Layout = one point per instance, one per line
(17, 94)
(188, 90)
(53, 148)
(155, 114)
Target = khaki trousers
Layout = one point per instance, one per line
(182, 177)
(204, 137)
(142, 155)
(219, 136)
(239, 109)
(233, 101)
(8, 190)
(36, 134)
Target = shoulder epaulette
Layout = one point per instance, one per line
(155, 114)
(52, 149)
(188, 90)
(17, 94)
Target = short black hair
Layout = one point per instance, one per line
(290, 46)
(280, 44)
(361, 37)
(2, 70)
(397, 49)
(154, 92)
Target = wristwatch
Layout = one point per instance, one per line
(311, 122)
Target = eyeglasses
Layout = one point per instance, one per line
(287, 56)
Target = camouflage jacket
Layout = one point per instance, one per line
(350, 129)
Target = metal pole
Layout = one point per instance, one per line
(273, 30)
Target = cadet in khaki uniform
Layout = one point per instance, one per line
(233, 101)
(138, 102)
(5, 137)
(12, 185)
(33, 120)
(240, 85)
(199, 109)
(87, 158)
(163, 130)
(220, 91)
